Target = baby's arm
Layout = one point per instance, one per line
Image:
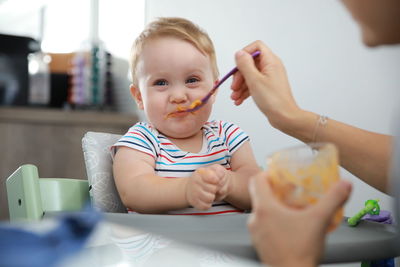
(140, 189)
(235, 189)
(143, 191)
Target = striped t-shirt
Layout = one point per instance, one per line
(220, 140)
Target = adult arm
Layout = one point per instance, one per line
(363, 153)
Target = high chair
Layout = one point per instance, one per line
(30, 197)
(98, 161)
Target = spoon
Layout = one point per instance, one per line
(197, 104)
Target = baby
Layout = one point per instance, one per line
(181, 164)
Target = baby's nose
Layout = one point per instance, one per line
(178, 95)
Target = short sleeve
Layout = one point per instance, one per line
(141, 137)
(233, 135)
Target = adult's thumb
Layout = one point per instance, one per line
(245, 64)
(334, 199)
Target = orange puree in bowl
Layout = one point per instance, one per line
(299, 184)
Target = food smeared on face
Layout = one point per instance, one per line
(181, 109)
(195, 104)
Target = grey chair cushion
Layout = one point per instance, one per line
(98, 161)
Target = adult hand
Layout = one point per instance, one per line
(284, 236)
(202, 188)
(264, 78)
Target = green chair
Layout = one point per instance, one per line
(30, 197)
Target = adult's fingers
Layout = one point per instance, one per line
(266, 55)
(237, 81)
(260, 191)
(334, 199)
(236, 94)
(246, 65)
(243, 96)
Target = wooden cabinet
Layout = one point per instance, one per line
(51, 140)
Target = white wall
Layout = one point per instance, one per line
(330, 70)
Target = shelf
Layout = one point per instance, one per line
(65, 117)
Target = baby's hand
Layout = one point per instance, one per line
(224, 181)
(202, 187)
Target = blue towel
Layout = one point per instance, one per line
(20, 247)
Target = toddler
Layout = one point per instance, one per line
(182, 164)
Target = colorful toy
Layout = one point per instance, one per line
(371, 207)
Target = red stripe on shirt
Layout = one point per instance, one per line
(210, 135)
(195, 156)
(222, 150)
(229, 136)
(148, 154)
(210, 213)
(141, 135)
(165, 157)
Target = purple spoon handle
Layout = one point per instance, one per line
(212, 91)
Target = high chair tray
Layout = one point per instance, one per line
(229, 234)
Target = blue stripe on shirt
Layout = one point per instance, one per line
(190, 163)
(172, 156)
(141, 140)
(235, 138)
(149, 139)
(212, 141)
(136, 144)
(170, 170)
(152, 135)
(230, 150)
(214, 146)
(226, 131)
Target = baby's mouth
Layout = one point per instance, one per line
(180, 111)
(195, 105)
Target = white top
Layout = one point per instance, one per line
(220, 141)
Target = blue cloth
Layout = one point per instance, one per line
(20, 247)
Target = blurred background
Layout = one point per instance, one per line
(83, 46)
(84, 42)
(63, 72)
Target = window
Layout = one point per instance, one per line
(67, 24)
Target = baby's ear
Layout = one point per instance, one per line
(135, 92)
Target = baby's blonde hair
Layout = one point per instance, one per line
(180, 28)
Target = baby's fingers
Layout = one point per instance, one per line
(208, 176)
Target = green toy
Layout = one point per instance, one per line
(371, 207)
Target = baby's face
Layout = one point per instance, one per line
(171, 73)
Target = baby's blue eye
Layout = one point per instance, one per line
(192, 80)
(160, 83)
